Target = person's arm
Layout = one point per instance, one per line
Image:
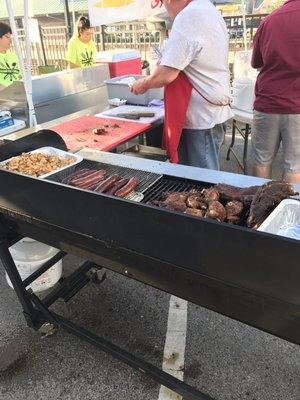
(2, 87)
(162, 76)
(257, 60)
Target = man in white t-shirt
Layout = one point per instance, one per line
(198, 47)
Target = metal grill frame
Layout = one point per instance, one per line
(146, 179)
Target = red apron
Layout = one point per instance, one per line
(177, 97)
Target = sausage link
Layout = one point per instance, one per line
(75, 175)
(118, 185)
(128, 188)
(107, 183)
(74, 180)
(91, 186)
(83, 175)
(90, 179)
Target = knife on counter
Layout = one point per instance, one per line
(136, 115)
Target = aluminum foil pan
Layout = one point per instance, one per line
(284, 220)
(52, 151)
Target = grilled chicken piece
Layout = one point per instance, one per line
(266, 199)
(210, 194)
(195, 212)
(170, 197)
(194, 200)
(216, 211)
(234, 210)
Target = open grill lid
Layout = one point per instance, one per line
(233, 270)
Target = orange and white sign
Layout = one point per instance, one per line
(103, 12)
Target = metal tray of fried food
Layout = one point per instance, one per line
(50, 151)
(284, 220)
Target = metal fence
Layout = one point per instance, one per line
(50, 48)
(235, 30)
(135, 35)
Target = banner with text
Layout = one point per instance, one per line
(104, 12)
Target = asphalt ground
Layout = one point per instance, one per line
(224, 358)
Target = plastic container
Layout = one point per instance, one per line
(5, 122)
(121, 90)
(243, 94)
(121, 62)
(284, 220)
(242, 66)
(29, 255)
(117, 55)
(119, 68)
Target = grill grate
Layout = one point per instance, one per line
(146, 179)
(170, 185)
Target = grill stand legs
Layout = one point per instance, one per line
(40, 317)
(245, 135)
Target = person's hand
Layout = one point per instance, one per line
(140, 86)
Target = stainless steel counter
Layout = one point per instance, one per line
(58, 94)
(47, 125)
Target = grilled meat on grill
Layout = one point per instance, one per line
(233, 205)
(107, 184)
(128, 188)
(234, 210)
(228, 192)
(88, 180)
(175, 196)
(195, 212)
(98, 181)
(267, 197)
(117, 186)
(210, 194)
(216, 211)
(195, 200)
(170, 205)
(75, 175)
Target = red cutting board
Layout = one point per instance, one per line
(78, 133)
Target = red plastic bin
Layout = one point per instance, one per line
(125, 67)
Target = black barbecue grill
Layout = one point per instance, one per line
(233, 270)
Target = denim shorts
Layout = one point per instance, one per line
(200, 148)
(271, 130)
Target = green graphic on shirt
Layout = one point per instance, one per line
(87, 58)
(10, 72)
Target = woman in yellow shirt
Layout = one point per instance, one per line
(81, 47)
(9, 64)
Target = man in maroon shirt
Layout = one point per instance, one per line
(276, 53)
